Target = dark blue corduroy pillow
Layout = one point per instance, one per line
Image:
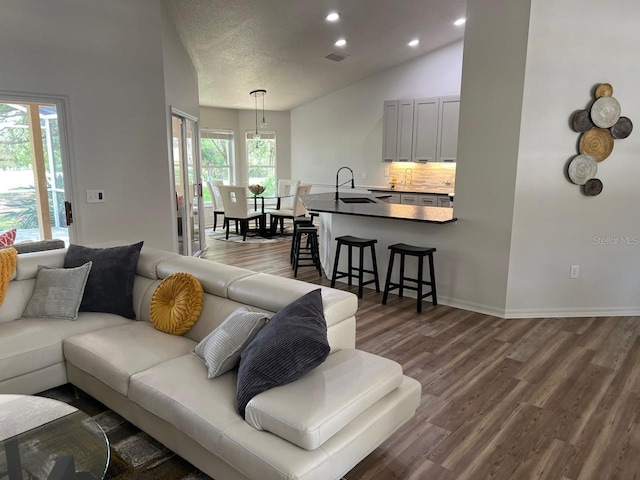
(290, 345)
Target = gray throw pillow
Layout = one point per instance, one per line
(290, 345)
(58, 292)
(110, 284)
(220, 350)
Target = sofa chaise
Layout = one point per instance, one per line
(318, 427)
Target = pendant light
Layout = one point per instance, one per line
(256, 94)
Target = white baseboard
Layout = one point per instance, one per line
(572, 312)
(472, 306)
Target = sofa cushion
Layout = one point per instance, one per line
(220, 350)
(176, 303)
(291, 344)
(179, 392)
(58, 292)
(110, 285)
(31, 344)
(320, 404)
(114, 354)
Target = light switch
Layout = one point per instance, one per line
(95, 196)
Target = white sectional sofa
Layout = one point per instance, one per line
(318, 427)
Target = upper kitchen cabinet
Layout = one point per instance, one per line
(425, 130)
(421, 130)
(449, 117)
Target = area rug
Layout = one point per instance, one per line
(252, 237)
(134, 454)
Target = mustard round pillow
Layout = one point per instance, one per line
(176, 304)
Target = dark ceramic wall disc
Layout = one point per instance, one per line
(622, 128)
(582, 121)
(593, 187)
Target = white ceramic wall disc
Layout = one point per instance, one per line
(582, 168)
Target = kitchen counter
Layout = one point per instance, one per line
(444, 190)
(325, 202)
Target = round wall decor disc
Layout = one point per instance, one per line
(604, 90)
(582, 168)
(622, 128)
(582, 121)
(593, 187)
(605, 112)
(597, 142)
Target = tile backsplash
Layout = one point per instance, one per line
(436, 174)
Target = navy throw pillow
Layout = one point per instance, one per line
(291, 344)
(109, 287)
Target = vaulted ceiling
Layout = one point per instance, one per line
(279, 45)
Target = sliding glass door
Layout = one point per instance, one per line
(33, 197)
(187, 183)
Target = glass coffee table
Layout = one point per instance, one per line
(42, 438)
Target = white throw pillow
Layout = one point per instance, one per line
(221, 349)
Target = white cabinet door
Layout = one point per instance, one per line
(390, 131)
(405, 130)
(425, 129)
(448, 129)
(410, 199)
(429, 200)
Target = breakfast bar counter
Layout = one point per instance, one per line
(387, 223)
(373, 206)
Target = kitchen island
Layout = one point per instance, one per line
(374, 206)
(387, 223)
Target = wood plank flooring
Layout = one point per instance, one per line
(553, 398)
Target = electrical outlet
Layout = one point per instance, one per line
(364, 175)
(386, 172)
(447, 181)
(95, 196)
(575, 271)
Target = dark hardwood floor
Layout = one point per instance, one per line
(553, 398)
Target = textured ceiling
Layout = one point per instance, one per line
(279, 45)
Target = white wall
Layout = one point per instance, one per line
(555, 225)
(242, 120)
(107, 58)
(345, 128)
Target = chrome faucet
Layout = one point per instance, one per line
(343, 183)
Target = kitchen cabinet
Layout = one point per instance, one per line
(444, 201)
(448, 119)
(429, 200)
(421, 130)
(410, 198)
(390, 197)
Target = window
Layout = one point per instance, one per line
(261, 161)
(217, 156)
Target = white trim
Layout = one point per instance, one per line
(63, 109)
(573, 312)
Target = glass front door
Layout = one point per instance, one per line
(32, 181)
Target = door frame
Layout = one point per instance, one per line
(64, 129)
(186, 232)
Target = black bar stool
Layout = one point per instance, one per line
(298, 222)
(361, 244)
(413, 251)
(310, 252)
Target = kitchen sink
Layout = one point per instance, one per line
(357, 200)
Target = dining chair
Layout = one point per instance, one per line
(234, 200)
(218, 207)
(286, 191)
(297, 208)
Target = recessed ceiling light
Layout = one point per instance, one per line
(460, 21)
(414, 43)
(341, 43)
(333, 17)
